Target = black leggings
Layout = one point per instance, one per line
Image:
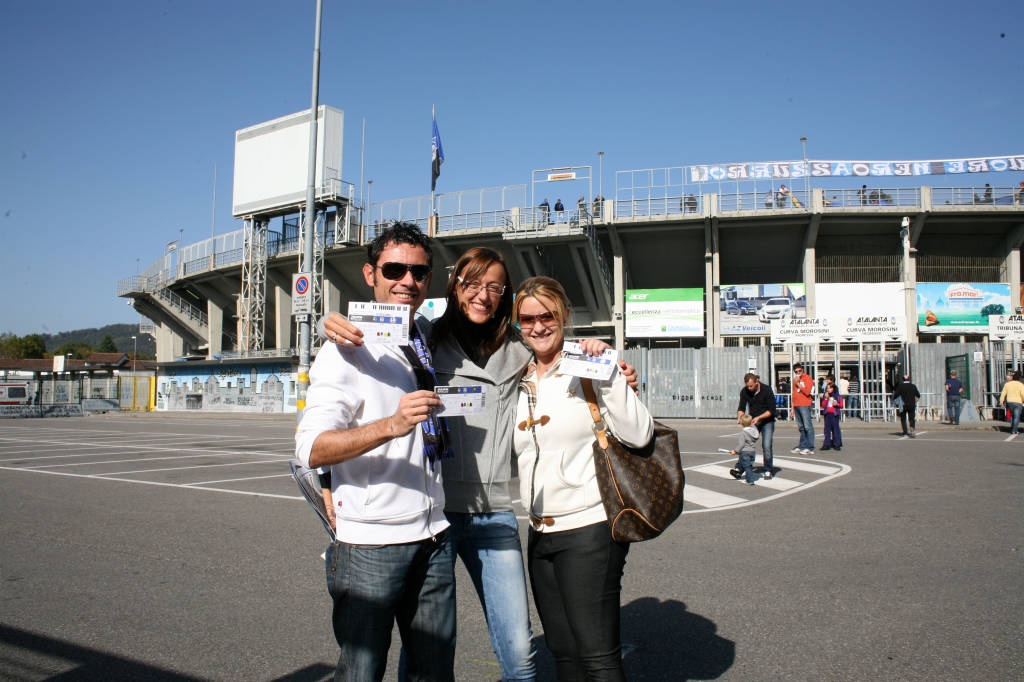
(576, 577)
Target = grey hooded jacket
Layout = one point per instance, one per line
(478, 478)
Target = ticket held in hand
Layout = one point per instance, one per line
(460, 400)
(575, 362)
(386, 323)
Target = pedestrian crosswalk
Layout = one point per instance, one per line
(711, 487)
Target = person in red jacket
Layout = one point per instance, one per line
(803, 388)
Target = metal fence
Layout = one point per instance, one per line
(125, 392)
(700, 383)
(872, 197)
(978, 196)
(765, 200)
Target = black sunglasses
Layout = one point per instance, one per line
(396, 271)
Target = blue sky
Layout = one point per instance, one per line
(115, 112)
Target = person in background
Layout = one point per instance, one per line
(854, 391)
(1012, 396)
(800, 409)
(907, 392)
(559, 211)
(954, 392)
(831, 406)
(844, 390)
(575, 565)
(758, 399)
(545, 211)
(745, 449)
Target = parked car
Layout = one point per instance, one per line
(746, 308)
(775, 309)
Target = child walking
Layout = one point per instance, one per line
(745, 449)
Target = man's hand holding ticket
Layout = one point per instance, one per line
(460, 400)
(381, 322)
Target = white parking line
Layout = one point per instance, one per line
(148, 459)
(197, 466)
(184, 486)
(232, 480)
(166, 449)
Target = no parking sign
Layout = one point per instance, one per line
(302, 293)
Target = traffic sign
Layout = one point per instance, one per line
(302, 293)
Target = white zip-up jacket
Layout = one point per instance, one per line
(389, 495)
(561, 483)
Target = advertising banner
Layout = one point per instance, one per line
(748, 309)
(1006, 327)
(830, 169)
(884, 299)
(849, 329)
(960, 307)
(654, 313)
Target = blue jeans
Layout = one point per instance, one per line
(745, 463)
(373, 586)
(489, 547)
(803, 420)
(1015, 409)
(953, 408)
(767, 440)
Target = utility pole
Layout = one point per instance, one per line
(308, 226)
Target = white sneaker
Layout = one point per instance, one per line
(805, 451)
(796, 451)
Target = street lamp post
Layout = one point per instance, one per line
(369, 193)
(135, 353)
(600, 174)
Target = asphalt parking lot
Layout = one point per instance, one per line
(175, 546)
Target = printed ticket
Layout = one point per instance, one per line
(381, 322)
(460, 400)
(577, 363)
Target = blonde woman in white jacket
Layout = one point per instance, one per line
(575, 567)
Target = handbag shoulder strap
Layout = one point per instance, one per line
(599, 427)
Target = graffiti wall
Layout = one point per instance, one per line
(254, 387)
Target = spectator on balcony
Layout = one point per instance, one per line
(691, 203)
(863, 194)
(1020, 194)
(545, 211)
(559, 211)
(599, 203)
(780, 196)
(581, 206)
(986, 197)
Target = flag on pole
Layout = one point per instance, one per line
(436, 155)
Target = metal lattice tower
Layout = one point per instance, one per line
(253, 301)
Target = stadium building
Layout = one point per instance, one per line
(697, 273)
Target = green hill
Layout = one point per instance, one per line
(121, 333)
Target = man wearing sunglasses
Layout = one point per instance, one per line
(369, 418)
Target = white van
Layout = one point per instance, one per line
(15, 393)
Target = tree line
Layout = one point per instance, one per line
(78, 344)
